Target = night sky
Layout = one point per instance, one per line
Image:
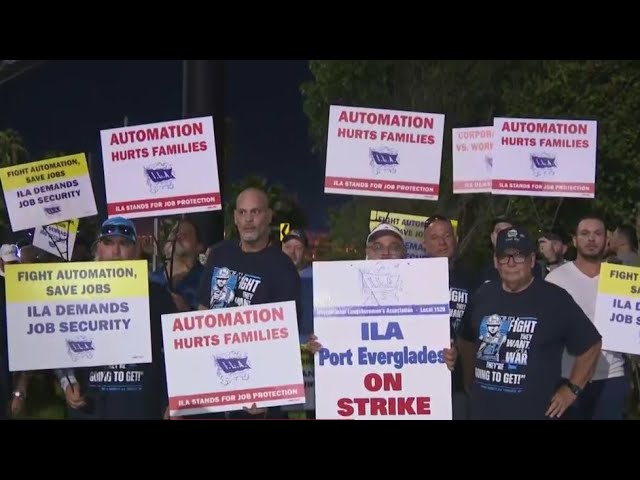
(63, 105)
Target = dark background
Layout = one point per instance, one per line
(63, 105)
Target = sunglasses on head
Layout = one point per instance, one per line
(117, 230)
(435, 218)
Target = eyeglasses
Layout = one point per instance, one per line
(395, 249)
(518, 258)
(434, 219)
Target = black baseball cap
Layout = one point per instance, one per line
(516, 238)
(296, 235)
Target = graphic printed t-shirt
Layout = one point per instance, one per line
(132, 391)
(519, 340)
(234, 278)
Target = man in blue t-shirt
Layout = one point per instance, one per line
(126, 391)
(512, 337)
(251, 271)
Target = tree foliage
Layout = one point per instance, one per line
(472, 93)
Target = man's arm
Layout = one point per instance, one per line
(585, 365)
(584, 342)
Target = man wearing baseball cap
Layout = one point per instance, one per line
(385, 242)
(295, 245)
(132, 391)
(512, 337)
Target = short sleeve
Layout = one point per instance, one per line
(466, 330)
(204, 286)
(579, 332)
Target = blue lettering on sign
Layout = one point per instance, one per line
(384, 158)
(370, 331)
(233, 365)
(158, 175)
(80, 346)
(52, 210)
(543, 162)
(398, 358)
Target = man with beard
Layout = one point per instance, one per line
(603, 398)
(182, 271)
(250, 271)
(440, 241)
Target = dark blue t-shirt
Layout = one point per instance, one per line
(133, 391)
(233, 278)
(519, 340)
(306, 301)
(462, 284)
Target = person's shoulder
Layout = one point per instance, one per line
(561, 274)
(156, 289)
(279, 256)
(488, 288)
(221, 251)
(551, 289)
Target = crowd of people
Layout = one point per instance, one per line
(523, 340)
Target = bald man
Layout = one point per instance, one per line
(249, 271)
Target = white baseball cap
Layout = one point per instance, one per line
(10, 253)
(384, 229)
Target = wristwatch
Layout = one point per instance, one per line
(575, 389)
(18, 394)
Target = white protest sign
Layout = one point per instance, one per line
(48, 191)
(57, 239)
(164, 168)
(544, 158)
(84, 314)
(230, 358)
(383, 326)
(617, 316)
(384, 153)
(472, 159)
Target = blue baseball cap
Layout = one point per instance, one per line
(514, 238)
(118, 226)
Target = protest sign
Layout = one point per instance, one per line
(617, 316)
(384, 153)
(544, 158)
(472, 159)
(48, 191)
(230, 358)
(57, 239)
(171, 168)
(309, 379)
(411, 227)
(83, 314)
(383, 326)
